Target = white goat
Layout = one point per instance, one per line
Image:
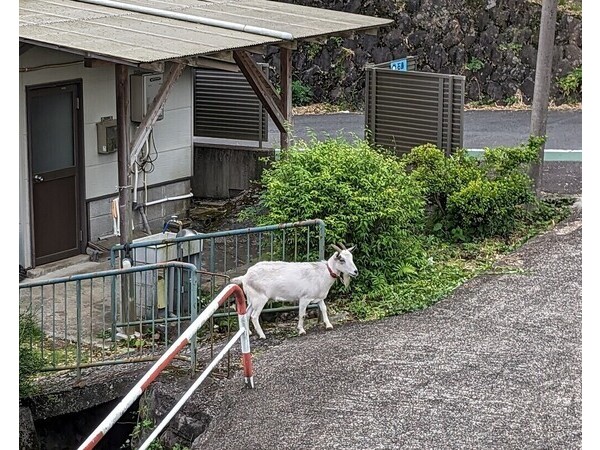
(301, 282)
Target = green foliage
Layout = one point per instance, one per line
(363, 196)
(337, 40)
(483, 101)
(475, 64)
(571, 83)
(512, 100)
(570, 6)
(512, 46)
(503, 161)
(470, 198)
(30, 360)
(487, 207)
(301, 94)
(312, 50)
(423, 224)
(141, 431)
(450, 264)
(429, 285)
(440, 175)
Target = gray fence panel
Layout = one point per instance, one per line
(226, 107)
(407, 109)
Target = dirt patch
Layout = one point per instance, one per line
(210, 215)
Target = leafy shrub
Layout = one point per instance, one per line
(475, 198)
(487, 207)
(363, 195)
(502, 161)
(475, 64)
(301, 94)
(571, 83)
(439, 175)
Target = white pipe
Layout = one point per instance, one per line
(135, 185)
(167, 199)
(195, 19)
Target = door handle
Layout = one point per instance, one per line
(38, 178)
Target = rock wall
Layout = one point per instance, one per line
(493, 43)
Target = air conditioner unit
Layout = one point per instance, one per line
(143, 89)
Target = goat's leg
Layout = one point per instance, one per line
(258, 304)
(301, 313)
(323, 309)
(248, 315)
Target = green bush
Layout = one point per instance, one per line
(439, 175)
(301, 94)
(490, 207)
(471, 198)
(363, 195)
(571, 83)
(503, 161)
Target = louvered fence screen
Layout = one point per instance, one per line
(404, 109)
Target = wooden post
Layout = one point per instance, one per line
(128, 307)
(125, 214)
(541, 90)
(285, 80)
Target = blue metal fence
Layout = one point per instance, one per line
(130, 314)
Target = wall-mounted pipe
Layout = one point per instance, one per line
(168, 199)
(195, 19)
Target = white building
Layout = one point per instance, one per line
(72, 108)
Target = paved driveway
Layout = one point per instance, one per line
(496, 365)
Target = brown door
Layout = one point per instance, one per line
(54, 126)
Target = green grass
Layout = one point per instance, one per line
(451, 265)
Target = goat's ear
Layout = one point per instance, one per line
(351, 248)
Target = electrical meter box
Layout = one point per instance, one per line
(143, 89)
(106, 131)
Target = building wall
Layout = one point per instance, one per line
(172, 136)
(222, 171)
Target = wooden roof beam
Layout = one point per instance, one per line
(262, 87)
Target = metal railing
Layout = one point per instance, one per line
(76, 322)
(186, 338)
(129, 315)
(220, 256)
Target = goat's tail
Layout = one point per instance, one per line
(237, 280)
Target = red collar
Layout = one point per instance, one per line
(331, 272)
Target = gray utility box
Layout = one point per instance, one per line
(164, 291)
(143, 89)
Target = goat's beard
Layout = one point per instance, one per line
(346, 279)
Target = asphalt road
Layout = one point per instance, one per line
(495, 365)
(481, 128)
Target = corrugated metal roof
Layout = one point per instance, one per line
(113, 33)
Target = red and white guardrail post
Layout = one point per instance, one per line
(180, 343)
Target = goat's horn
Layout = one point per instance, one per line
(343, 246)
(337, 249)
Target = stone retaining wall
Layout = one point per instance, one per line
(493, 43)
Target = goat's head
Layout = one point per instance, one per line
(343, 262)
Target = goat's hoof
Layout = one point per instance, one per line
(301, 332)
(329, 327)
(262, 336)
